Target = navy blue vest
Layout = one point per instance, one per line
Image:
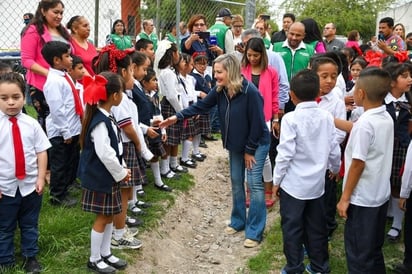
(92, 173)
(401, 124)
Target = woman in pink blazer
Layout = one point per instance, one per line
(44, 27)
(256, 69)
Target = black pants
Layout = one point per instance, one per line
(330, 204)
(364, 237)
(304, 223)
(64, 160)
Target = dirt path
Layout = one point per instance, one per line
(190, 237)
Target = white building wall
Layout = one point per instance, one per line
(401, 14)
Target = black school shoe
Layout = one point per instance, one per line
(31, 265)
(119, 265)
(93, 266)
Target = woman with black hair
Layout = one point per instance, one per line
(118, 36)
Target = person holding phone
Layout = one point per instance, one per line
(221, 29)
(197, 40)
(388, 41)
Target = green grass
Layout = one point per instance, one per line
(64, 239)
(271, 258)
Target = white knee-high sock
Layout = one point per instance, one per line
(96, 239)
(186, 144)
(164, 165)
(173, 161)
(397, 214)
(196, 143)
(156, 173)
(107, 237)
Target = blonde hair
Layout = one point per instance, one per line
(232, 65)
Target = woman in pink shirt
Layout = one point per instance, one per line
(44, 27)
(256, 69)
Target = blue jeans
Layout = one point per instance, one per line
(24, 211)
(254, 222)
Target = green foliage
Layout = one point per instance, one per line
(346, 14)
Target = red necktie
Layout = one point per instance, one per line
(318, 99)
(18, 150)
(77, 102)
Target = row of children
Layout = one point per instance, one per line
(108, 128)
(379, 102)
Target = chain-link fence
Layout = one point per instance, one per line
(102, 13)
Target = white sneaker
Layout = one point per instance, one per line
(130, 231)
(126, 243)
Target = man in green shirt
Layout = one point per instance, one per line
(148, 32)
(221, 29)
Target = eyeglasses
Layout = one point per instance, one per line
(328, 28)
(199, 25)
(238, 26)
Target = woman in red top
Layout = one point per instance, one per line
(80, 30)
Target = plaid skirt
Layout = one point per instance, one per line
(135, 163)
(174, 131)
(398, 160)
(102, 203)
(157, 148)
(189, 129)
(202, 124)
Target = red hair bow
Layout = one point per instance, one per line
(402, 56)
(374, 58)
(114, 54)
(94, 89)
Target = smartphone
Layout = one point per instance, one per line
(381, 37)
(204, 34)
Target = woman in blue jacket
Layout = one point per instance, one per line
(246, 137)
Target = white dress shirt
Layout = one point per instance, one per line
(371, 141)
(63, 121)
(105, 152)
(306, 148)
(34, 141)
(407, 174)
(169, 87)
(335, 106)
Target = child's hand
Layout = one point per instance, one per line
(68, 141)
(342, 208)
(164, 138)
(40, 186)
(276, 192)
(402, 204)
(151, 132)
(128, 175)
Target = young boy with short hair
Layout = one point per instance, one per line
(76, 72)
(307, 148)
(366, 185)
(23, 162)
(63, 124)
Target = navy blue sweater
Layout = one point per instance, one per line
(92, 172)
(242, 122)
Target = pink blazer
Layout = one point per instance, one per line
(30, 46)
(269, 89)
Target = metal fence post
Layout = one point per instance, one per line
(250, 12)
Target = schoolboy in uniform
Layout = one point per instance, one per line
(23, 162)
(64, 122)
(366, 185)
(306, 149)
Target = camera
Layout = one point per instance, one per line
(381, 37)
